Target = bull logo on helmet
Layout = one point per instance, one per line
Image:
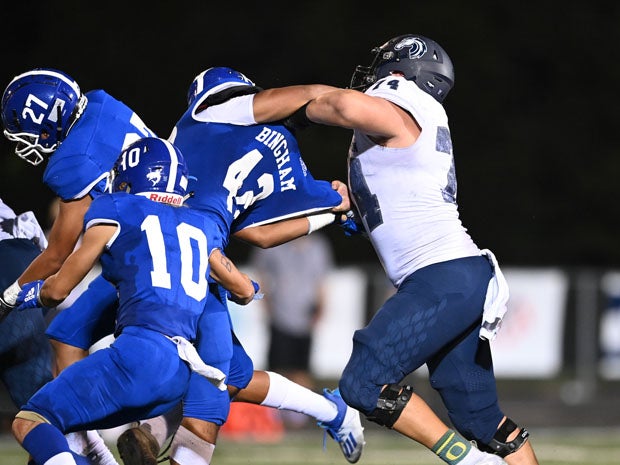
(154, 175)
(417, 47)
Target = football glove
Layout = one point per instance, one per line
(5, 308)
(29, 296)
(257, 295)
(7, 299)
(351, 226)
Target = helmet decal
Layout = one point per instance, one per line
(417, 47)
(154, 175)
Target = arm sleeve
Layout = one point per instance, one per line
(238, 110)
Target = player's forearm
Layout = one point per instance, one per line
(279, 103)
(51, 294)
(41, 267)
(58, 286)
(274, 234)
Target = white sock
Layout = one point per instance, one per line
(473, 457)
(189, 449)
(164, 426)
(64, 458)
(284, 394)
(99, 453)
(78, 442)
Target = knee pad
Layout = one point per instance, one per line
(188, 449)
(390, 404)
(499, 445)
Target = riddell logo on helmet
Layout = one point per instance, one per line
(171, 199)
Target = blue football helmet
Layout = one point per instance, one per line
(151, 167)
(214, 80)
(39, 108)
(418, 58)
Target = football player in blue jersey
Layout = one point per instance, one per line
(251, 177)
(451, 295)
(159, 257)
(45, 113)
(80, 135)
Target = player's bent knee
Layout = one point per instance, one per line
(189, 449)
(24, 422)
(500, 445)
(390, 404)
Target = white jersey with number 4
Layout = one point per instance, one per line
(407, 196)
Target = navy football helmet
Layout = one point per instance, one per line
(418, 58)
(217, 79)
(39, 107)
(151, 167)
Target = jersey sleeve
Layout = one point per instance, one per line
(103, 210)
(310, 196)
(238, 110)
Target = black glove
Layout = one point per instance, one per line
(5, 308)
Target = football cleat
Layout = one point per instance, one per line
(137, 446)
(346, 429)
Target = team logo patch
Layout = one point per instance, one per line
(417, 47)
(154, 175)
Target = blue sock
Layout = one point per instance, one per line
(45, 441)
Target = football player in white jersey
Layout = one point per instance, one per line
(403, 186)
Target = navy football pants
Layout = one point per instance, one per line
(433, 319)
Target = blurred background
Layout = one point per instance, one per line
(532, 115)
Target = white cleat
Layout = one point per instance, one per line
(346, 429)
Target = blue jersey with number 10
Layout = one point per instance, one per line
(158, 261)
(81, 163)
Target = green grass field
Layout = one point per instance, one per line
(553, 447)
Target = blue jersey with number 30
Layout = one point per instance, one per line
(158, 260)
(81, 163)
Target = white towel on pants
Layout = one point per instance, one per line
(496, 300)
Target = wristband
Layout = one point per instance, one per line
(11, 293)
(316, 222)
(298, 120)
